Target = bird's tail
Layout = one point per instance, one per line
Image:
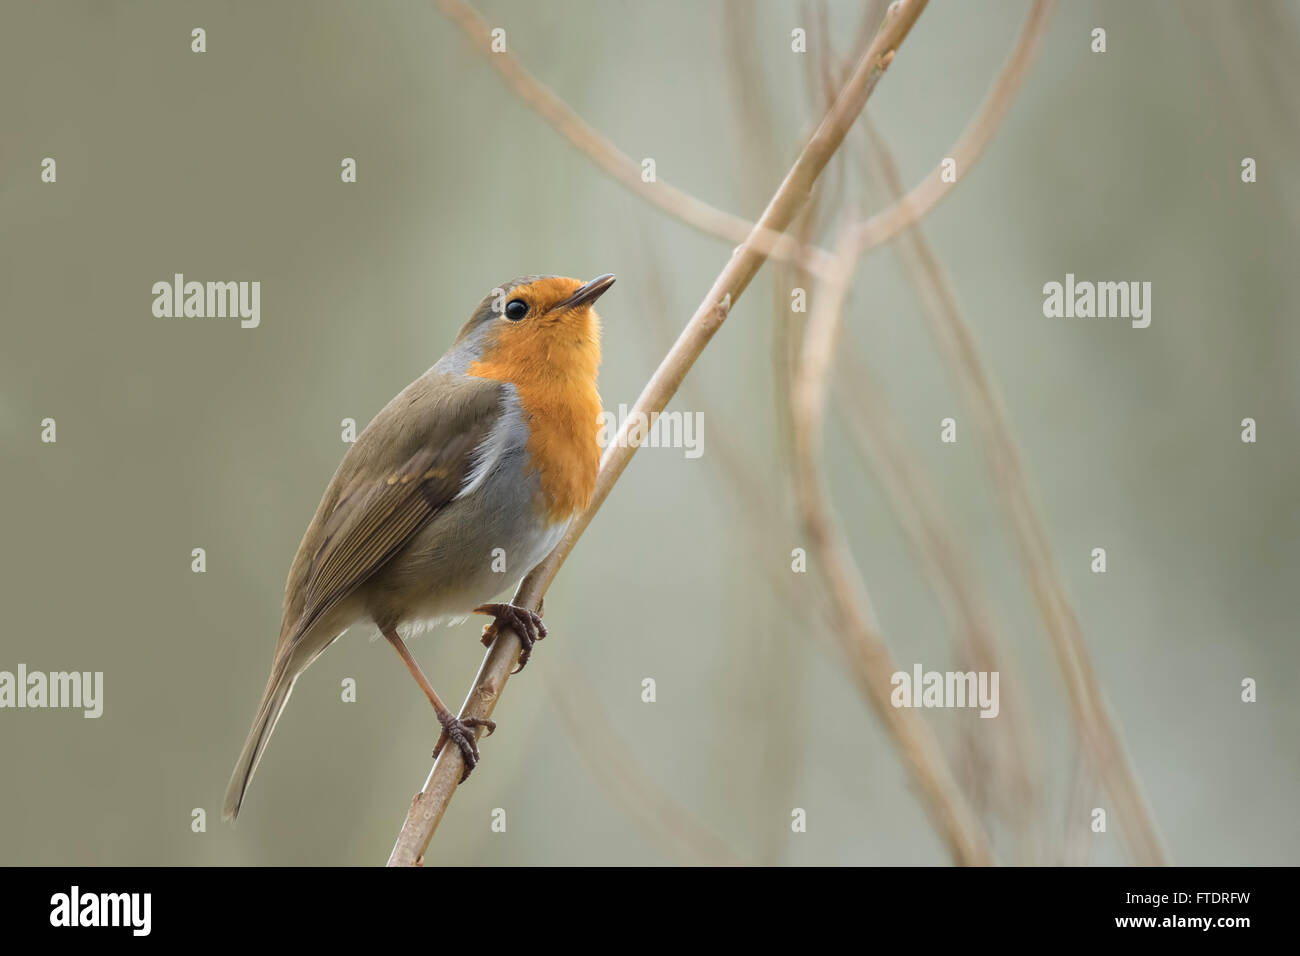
(274, 698)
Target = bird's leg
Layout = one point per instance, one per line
(454, 728)
(525, 622)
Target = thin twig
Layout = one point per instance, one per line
(429, 806)
(917, 204)
(829, 552)
(799, 610)
(1098, 732)
(875, 432)
(717, 222)
(1076, 836)
(872, 428)
(618, 165)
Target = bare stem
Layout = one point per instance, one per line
(917, 203)
(873, 428)
(1006, 771)
(617, 165)
(1097, 730)
(830, 554)
(715, 222)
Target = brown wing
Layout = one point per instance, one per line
(389, 491)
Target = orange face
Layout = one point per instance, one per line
(547, 339)
(547, 344)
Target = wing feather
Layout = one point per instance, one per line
(383, 508)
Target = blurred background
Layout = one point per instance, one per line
(178, 434)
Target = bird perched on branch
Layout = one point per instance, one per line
(487, 455)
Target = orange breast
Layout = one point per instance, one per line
(552, 365)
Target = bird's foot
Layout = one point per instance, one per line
(461, 732)
(525, 622)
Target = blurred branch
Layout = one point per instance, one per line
(1013, 779)
(617, 165)
(864, 643)
(724, 225)
(829, 552)
(609, 759)
(865, 410)
(916, 204)
(800, 609)
(1004, 772)
(1077, 834)
(431, 803)
(763, 153)
(1099, 734)
(769, 663)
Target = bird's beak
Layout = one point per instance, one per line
(588, 294)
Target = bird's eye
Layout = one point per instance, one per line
(516, 309)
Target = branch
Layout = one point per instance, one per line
(724, 225)
(874, 430)
(429, 806)
(618, 165)
(1099, 734)
(865, 409)
(863, 643)
(918, 203)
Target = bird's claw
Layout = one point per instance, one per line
(523, 621)
(460, 730)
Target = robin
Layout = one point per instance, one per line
(485, 457)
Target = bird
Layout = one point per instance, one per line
(482, 461)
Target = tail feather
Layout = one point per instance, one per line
(276, 695)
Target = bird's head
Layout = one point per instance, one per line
(537, 326)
